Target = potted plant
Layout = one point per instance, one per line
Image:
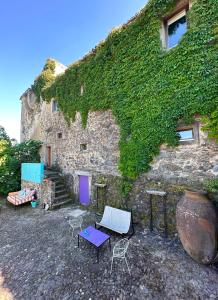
(34, 201)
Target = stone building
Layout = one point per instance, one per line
(88, 158)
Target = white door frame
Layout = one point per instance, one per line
(76, 183)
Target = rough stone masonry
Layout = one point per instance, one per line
(94, 152)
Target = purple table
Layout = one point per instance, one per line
(95, 237)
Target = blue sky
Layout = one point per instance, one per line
(32, 31)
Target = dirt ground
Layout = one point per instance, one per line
(40, 259)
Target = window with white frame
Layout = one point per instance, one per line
(186, 135)
(175, 28)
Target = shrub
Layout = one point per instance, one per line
(211, 185)
(11, 158)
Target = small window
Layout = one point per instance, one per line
(83, 147)
(175, 28)
(54, 106)
(186, 135)
(59, 135)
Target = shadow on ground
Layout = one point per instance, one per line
(39, 259)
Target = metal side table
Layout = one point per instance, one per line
(100, 186)
(162, 194)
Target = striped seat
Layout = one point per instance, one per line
(16, 199)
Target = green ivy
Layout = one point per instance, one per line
(211, 125)
(44, 79)
(147, 88)
(211, 185)
(126, 187)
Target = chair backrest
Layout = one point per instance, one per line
(121, 247)
(116, 218)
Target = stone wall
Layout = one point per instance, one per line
(188, 163)
(174, 170)
(94, 151)
(101, 138)
(45, 191)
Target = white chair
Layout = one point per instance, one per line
(119, 251)
(76, 223)
(117, 220)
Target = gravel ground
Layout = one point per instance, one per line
(39, 259)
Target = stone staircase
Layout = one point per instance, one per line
(61, 195)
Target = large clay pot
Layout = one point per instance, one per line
(197, 226)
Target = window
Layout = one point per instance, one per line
(186, 135)
(54, 106)
(83, 147)
(175, 28)
(59, 135)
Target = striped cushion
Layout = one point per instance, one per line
(15, 199)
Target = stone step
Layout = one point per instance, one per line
(54, 205)
(59, 186)
(51, 169)
(55, 178)
(57, 182)
(60, 192)
(50, 173)
(60, 198)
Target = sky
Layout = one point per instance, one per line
(32, 31)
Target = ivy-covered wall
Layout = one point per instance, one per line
(147, 88)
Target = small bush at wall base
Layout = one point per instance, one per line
(211, 185)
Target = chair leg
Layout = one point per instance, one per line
(127, 265)
(112, 263)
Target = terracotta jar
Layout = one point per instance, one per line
(197, 226)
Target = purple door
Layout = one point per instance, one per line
(84, 190)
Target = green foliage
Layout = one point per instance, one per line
(211, 125)
(211, 185)
(8, 166)
(44, 79)
(126, 187)
(11, 158)
(147, 88)
(3, 134)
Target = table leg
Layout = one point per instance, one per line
(78, 240)
(104, 196)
